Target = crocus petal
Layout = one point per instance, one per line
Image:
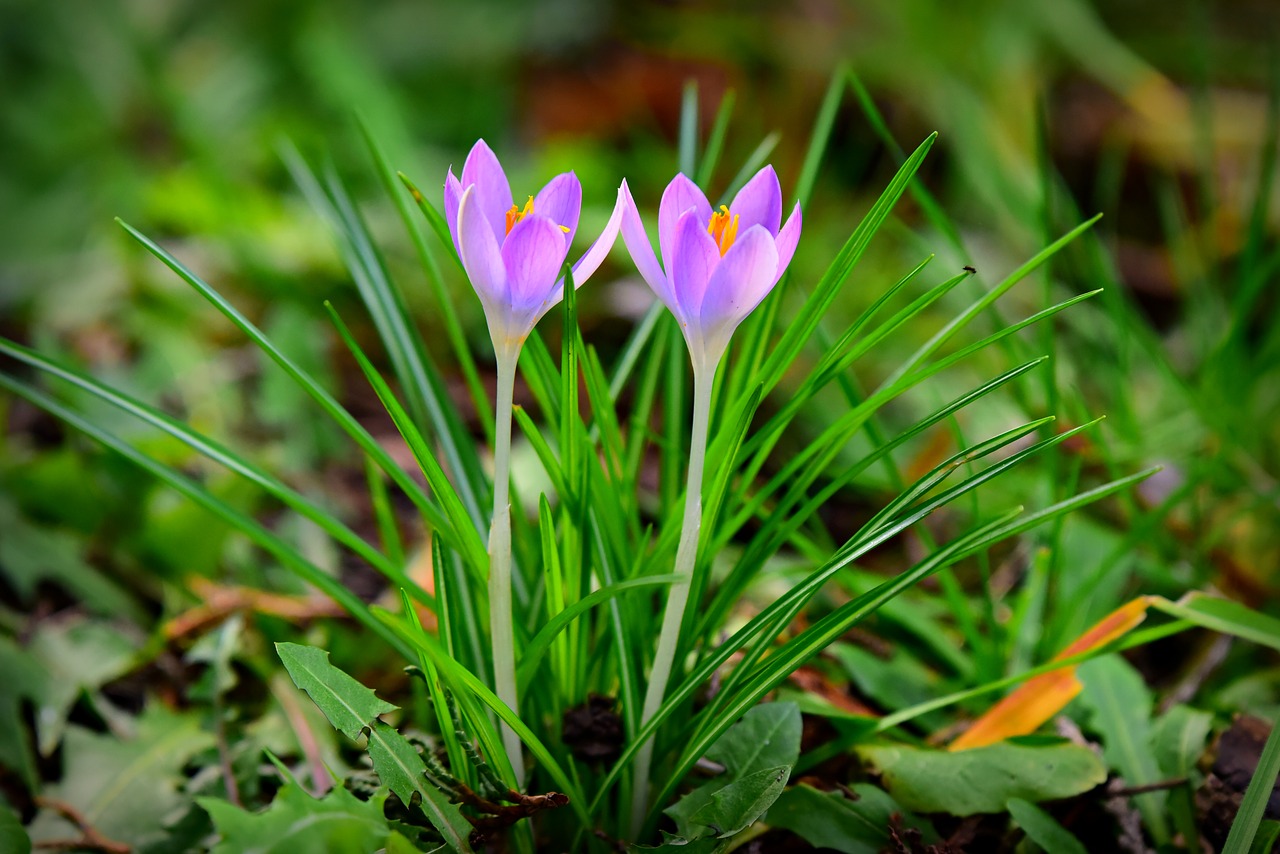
(561, 202)
(641, 250)
(743, 278)
(788, 237)
(681, 195)
(480, 255)
(594, 257)
(452, 196)
(693, 259)
(493, 192)
(759, 202)
(533, 254)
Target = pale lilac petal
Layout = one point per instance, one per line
(533, 255)
(759, 202)
(591, 260)
(493, 191)
(788, 237)
(452, 196)
(693, 259)
(594, 257)
(681, 195)
(561, 202)
(480, 255)
(641, 251)
(743, 278)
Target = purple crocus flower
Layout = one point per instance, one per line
(716, 265)
(513, 254)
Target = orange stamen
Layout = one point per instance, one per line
(723, 228)
(516, 214)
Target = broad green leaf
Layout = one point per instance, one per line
(76, 656)
(984, 779)
(125, 788)
(832, 820)
(13, 836)
(1178, 739)
(338, 823)
(1121, 705)
(402, 771)
(24, 680)
(1042, 829)
(767, 736)
(737, 806)
(31, 553)
(349, 706)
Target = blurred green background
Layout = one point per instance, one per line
(177, 118)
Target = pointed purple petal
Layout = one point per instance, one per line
(759, 202)
(641, 251)
(693, 259)
(594, 257)
(743, 278)
(533, 254)
(493, 192)
(561, 202)
(681, 195)
(480, 256)
(788, 237)
(452, 196)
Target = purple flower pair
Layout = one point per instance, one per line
(716, 265)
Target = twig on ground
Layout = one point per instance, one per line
(90, 838)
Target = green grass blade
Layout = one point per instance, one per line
(443, 301)
(534, 651)
(1254, 805)
(420, 382)
(461, 676)
(458, 529)
(308, 384)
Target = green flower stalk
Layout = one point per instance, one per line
(716, 268)
(514, 257)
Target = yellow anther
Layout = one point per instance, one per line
(516, 214)
(723, 228)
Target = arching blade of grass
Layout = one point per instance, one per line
(804, 646)
(290, 558)
(459, 523)
(420, 382)
(900, 515)
(778, 527)
(816, 306)
(431, 268)
(308, 384)
(757, 330)
(715, 140)
(219, 454)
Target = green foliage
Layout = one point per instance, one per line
(858, 825)
(984, 779)
(757, 753)
(126, 788)
(1042, 829)
(295, 821)
(348, 705)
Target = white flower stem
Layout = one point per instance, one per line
(501, 630)
(677, 599)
